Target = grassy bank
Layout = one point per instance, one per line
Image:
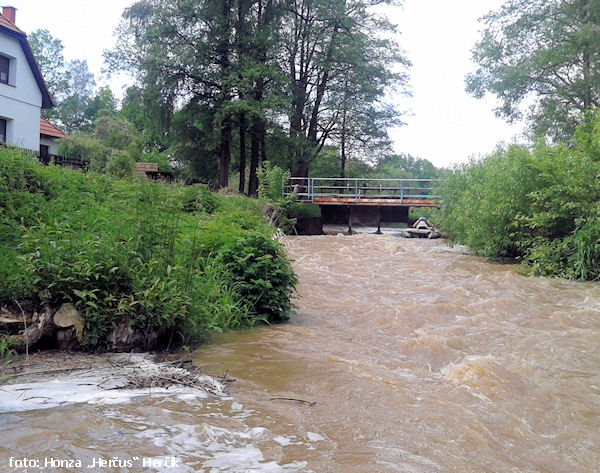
(169, 261)
(540, 205)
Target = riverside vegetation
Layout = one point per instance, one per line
(540, 205)
(166, 263)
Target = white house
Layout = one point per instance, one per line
(23, 92)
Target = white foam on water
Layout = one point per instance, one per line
(314, 437)
(283, 441)
(235, 448)
(248, 459)
(97, 386)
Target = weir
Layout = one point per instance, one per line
(367, 200)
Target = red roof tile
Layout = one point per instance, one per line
(8, 24)
(48, 129)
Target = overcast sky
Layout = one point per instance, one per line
(444, 124)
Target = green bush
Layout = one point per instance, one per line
(542, 206)
(271, 181)
(155, 156)
(120, 164)
(271, 184)
(198, 198)
(483, 199)
(133, 252)
(6, 348)
(264, 275)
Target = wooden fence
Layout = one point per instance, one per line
(64, 161)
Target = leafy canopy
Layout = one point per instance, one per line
(544, 55)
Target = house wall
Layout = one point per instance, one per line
(21, 99)
(51, 143)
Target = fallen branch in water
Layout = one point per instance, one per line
(50, 371)
(310, 403)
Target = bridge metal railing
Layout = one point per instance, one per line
(308, 189)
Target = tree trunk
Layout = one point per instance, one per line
(225, 153)
(254, 151)
(242, 186)
(343, 145)
(223, 48)
(263, 144)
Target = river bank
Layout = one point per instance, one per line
(92, 262)
(51, 379)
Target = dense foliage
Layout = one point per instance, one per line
(226, 84)
(169, 260)
(540, 205)
(542, 55)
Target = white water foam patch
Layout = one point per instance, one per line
(248, 460)
(96, 386)
(215, 448)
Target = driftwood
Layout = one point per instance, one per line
(310, 403)
(114, 372)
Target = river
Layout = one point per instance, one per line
(405, 355)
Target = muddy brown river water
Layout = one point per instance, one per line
(405, 355)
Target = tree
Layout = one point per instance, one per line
(48, 52)
(239, 71)
(181, 54)
(336, 53)
(543, 53)
(104, 102)
(204, 60)
(404, 166)
(73, 110)
(71, 84)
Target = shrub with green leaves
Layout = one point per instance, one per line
(173, 262)
(483, 198)
(542, 206)
(198, 198)
(271, 183)
(6, 348)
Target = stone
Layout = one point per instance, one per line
(44, 296)
(66, 339)
(68, 316)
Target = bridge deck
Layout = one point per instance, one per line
(381, 202)
(364, 192)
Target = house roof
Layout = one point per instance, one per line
(143, 168)
(48, 129)
(8, 24)
(10, 29)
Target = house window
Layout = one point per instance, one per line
(4, 69)
(2, 130)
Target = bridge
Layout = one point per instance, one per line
(361, 191)
(365, 194)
